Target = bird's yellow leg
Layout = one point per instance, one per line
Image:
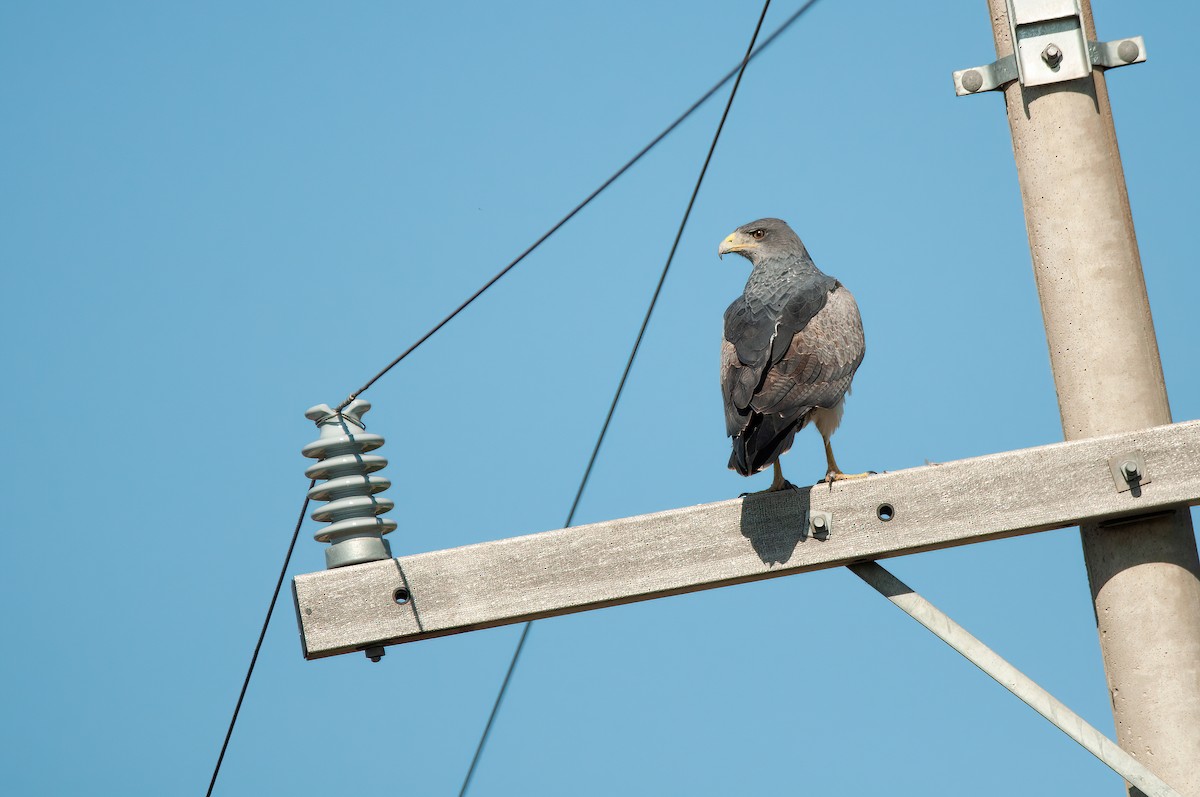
(778, 483)
(834, 473)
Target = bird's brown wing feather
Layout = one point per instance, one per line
(819, 363)
(738, 383)
(765, 406)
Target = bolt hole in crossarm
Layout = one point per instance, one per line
(401, 596)
(885, 512)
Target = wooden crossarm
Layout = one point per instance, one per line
(731, 542)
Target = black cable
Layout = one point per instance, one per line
(737, 70)
(512, 665)
(262, 634)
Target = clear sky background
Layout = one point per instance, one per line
(218, 214)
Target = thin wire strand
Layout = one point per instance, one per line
(512, 665)
(261, 635)
(736, 71)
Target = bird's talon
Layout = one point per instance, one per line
(776, 487)
(838, 476)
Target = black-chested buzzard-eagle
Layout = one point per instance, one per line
(793, 341)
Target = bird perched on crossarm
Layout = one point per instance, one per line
(793, 341)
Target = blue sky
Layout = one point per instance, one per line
(216, 215)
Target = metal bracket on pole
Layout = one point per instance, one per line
(1049, 47)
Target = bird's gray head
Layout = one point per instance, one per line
(765, 238)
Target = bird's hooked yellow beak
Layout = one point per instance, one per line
(732, 244)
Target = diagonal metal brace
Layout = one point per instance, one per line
(1012, 679)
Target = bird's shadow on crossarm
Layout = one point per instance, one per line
(775, 523)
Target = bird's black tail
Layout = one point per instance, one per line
(764, 440)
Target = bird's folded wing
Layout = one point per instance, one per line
(818, 363)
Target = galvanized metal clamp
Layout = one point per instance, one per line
(1049, 46)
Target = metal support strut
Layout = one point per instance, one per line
(1012, 679)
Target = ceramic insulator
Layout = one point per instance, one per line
(351, 485)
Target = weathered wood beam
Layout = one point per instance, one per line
(731, 542)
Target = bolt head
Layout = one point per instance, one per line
(1052, 55)
(1130, 470)
(972, 81)
(818, 523)
(1128, 51)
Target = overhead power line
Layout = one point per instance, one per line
(705, 97)
(736, 71)
(516, 656)
(261, 635)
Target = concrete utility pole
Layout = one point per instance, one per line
(1145, 577)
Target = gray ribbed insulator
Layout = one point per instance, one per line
(356, 530)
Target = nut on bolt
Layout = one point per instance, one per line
(1052, 55)
(1130, 470)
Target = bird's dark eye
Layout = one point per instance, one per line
(758, 234)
